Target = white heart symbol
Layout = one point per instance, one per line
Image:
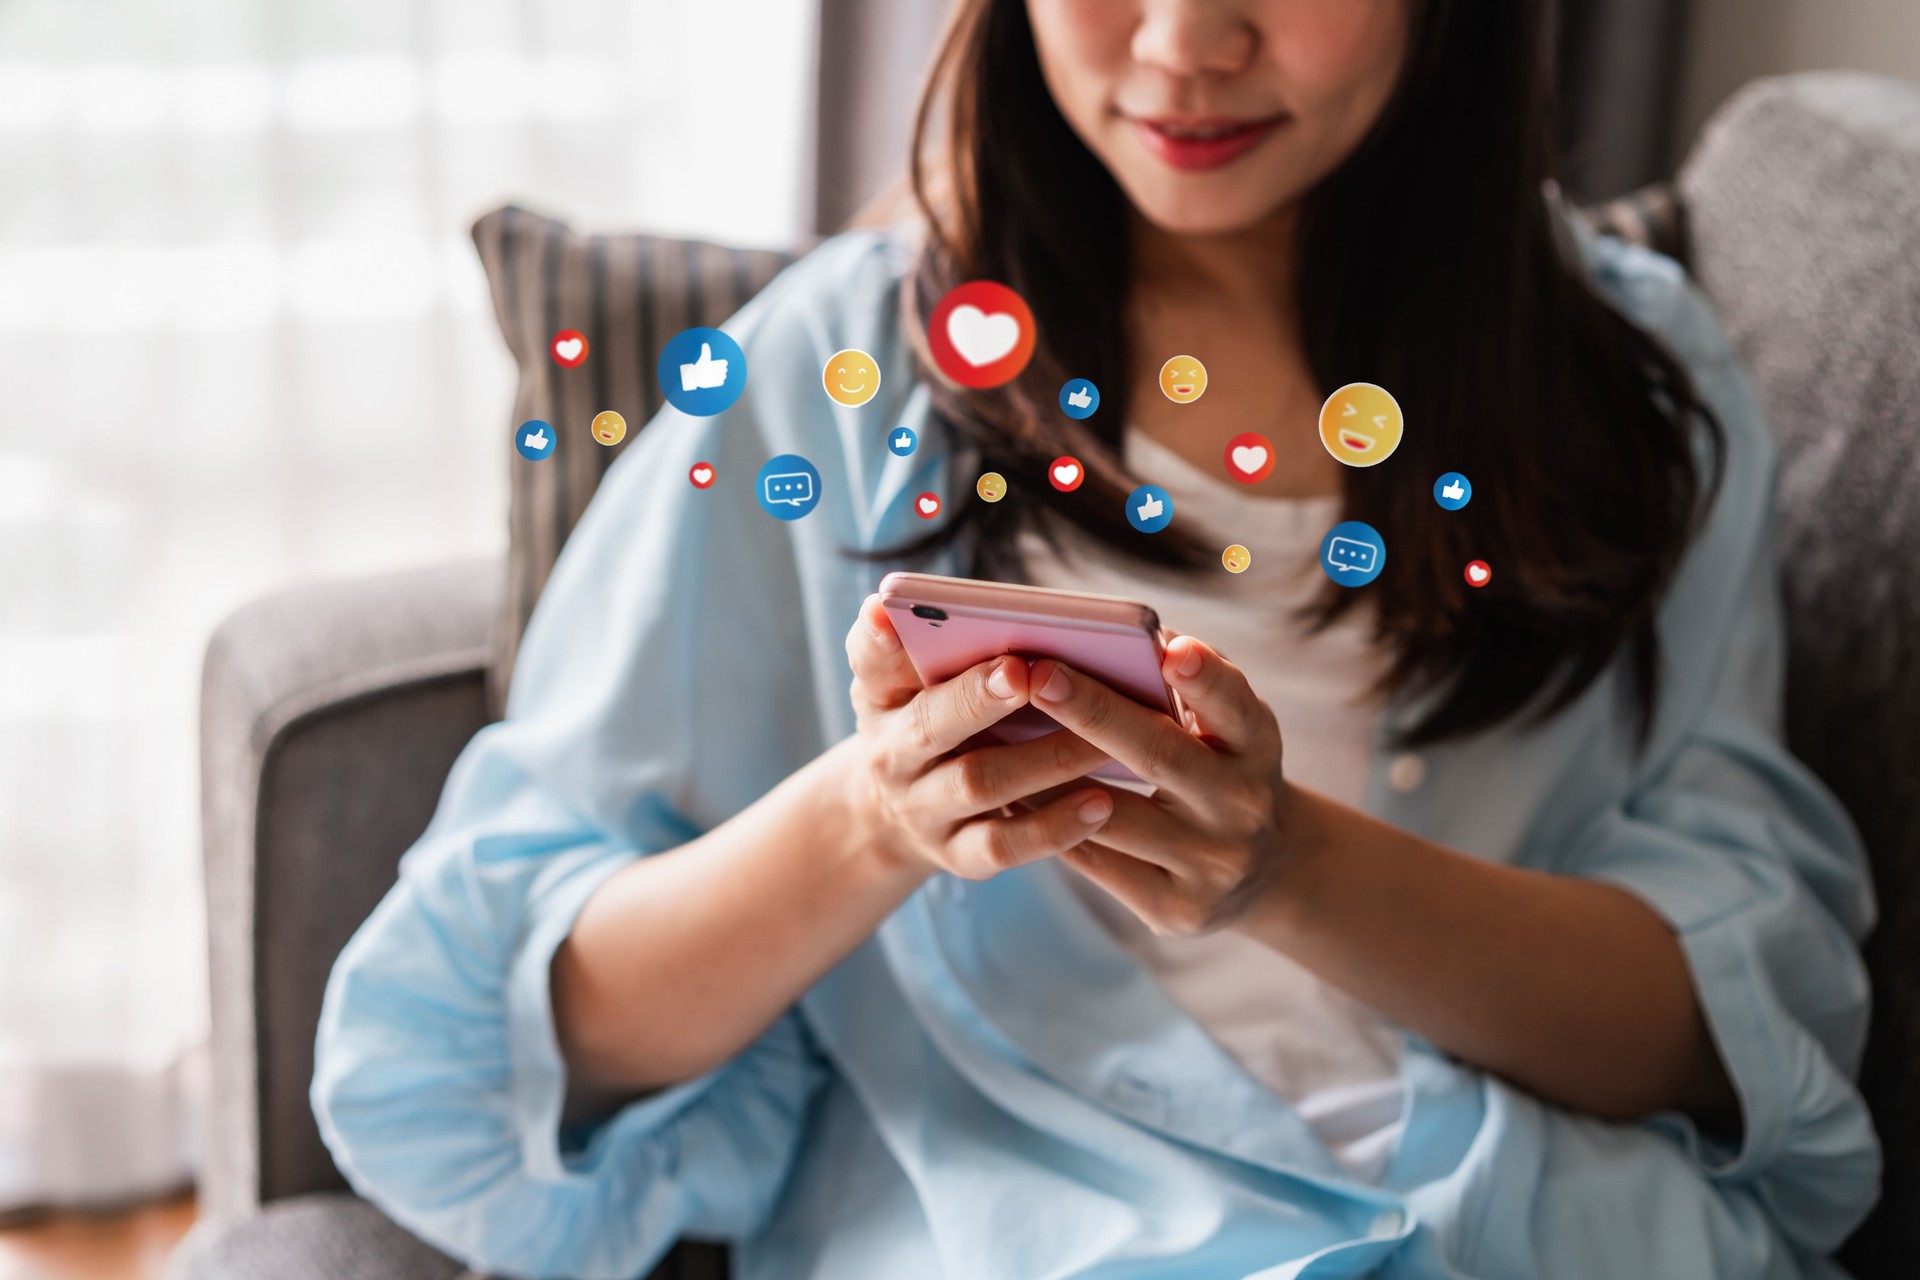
(1477, 573)
(567, 348)
(929, 505)
(702, 474)
(1066, 473)
(1249, 458)
(981, 338)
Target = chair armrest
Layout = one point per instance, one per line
(329, 717)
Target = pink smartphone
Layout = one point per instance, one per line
(950, 624)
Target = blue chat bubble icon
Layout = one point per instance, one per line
(1352, 553)
(788, 487)
(794, 487)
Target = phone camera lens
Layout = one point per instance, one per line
(930, 613)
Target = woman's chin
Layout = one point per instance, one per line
(1208, 212)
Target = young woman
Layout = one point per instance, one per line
(1474, 932)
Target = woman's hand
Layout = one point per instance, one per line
(1191, 857)
(921, 800)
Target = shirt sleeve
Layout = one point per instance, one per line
(685, 657)
(1746, 854)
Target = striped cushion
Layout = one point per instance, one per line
(628, 294)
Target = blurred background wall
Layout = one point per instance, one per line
(1729, 42)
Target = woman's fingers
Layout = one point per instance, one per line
(988, 777)
(1219, 696)
(1141, 827)
(1140, 887)
(986, 846)
(945, 715)
(883, 674)
(1153, 745)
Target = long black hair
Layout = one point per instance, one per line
(1433, 263)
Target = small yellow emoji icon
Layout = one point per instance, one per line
(1236, 558)
(992, 486)
(851, 378)
(1360, 424)
(609, 428)
(1183, 379)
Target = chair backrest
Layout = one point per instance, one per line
(1803, 203)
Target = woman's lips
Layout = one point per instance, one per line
(1203, 144)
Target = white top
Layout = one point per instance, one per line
(1333, 1058)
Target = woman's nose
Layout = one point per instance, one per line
(1194, 37)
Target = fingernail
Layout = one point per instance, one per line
(1190, 660)
(1057, 686)
(998, 685)
(1095, 810)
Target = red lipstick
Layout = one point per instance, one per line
(1203, 143)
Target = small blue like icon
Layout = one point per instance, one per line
(534, 439)
(788, 487)
(1452, 491)
(1149, 508)
(1079, 398)
(901, 441)
(1352, 554)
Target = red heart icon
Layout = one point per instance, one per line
(928, 505)
(1066, 473)
(569, 348)
(1479, 573)
(1249, 457)
(701, 475)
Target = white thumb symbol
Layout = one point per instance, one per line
(536, 439)
(704, 372)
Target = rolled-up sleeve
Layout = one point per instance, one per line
(685, 657)
(440, 1087)
(1746, 854)
(1759, 874)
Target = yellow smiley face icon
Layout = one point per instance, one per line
(1183, 379)
(609, 428)
(1360, 424)
(992, 486)
(851, 378)
(1236, 558)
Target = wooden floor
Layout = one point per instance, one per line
(120, 1246)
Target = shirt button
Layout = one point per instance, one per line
(1388, 1222)
(1407, 772)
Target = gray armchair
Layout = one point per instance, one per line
(331, 714)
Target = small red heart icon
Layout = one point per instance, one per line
(701, 475)
(928, 505)
(1479, 573)
(569, 348)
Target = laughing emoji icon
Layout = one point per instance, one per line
(1183, 379)
(609, 428)
(1360, 424)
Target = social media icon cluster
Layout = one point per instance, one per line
(981, 336)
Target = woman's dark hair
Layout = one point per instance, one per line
(1432, 263)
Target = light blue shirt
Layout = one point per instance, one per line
(990, 1086)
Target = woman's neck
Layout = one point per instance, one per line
(1254, 266)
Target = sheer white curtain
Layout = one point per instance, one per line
(244, 341)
